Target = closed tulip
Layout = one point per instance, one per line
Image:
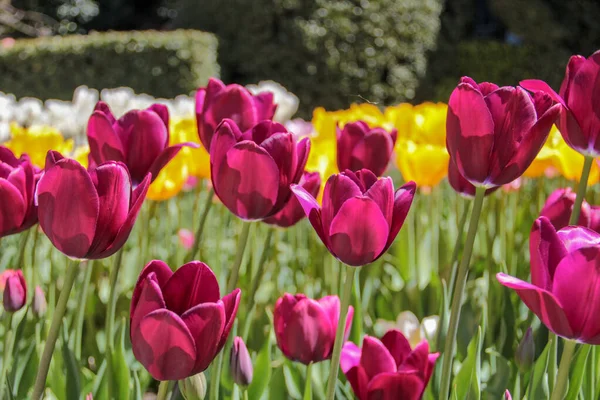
(179, 322)
(15, 291)
(252, 171)
(579, 121)
(88, 214)
(240, 363)
(218, 101)
(565, 274)
(361, 215)
(388, 369)
(292, 212)
(494, 133)
(18, 178)
(461, 185)
(558, 208)
(305, 328)
(359, 146)
(139, 139)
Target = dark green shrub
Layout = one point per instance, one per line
(163, 64)
(328, 52)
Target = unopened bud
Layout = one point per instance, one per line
(525, 354)
(15, 292)
(39, 305)
(240, 363)
(193, 387)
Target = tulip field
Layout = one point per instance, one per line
(231, 251)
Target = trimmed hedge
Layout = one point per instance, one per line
(162, 64)
(328, 52)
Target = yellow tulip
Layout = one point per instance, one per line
(186, 130)
(171, 178)
(421, 154)
(81, 155)
(36, 140)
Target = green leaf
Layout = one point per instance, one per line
(137, 389)
(292, 381)
(577, 371)
(26, 371)
(538, 385)
(73, 379)
(277, 387)
(120, 369)
(467, 383)
(262, 371)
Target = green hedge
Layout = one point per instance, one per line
(328, 52)
(162, 64)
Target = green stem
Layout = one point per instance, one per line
(110, 318)
(80, 313)
(245, 394)
(552, 358)
(563, 370)
(59, 312)
(21, 254)
(8, 349)
(581, 188)
(339, 335)
(231, 284)
(453, 262)
(308, 384)
(163, 389)
(203, 217)
(34, 277)
(458, 294)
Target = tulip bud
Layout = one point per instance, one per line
(38, 304)
(240, 363)
(186, 238)
(524, 356)
(193, 387)
(15, 292)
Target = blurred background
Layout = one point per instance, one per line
(330, 53)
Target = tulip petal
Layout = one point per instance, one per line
(105, 143)
(393, 386)
(572, 67)
(577, 287)
(265, 107)
(303, 151)
(68, 207)
(347, 139)
(12, 207)
(546, 249)
(113, 186)
(402, 201)
(105, 109)
(161, 272)
(283, 308)
(164, 346)
(373, 152)
(584, 98)
(162, 111)
(397, 345)
(375, 357)
(246, 181)
(359, 232)
(537, 85)
(350, 357)
(312, 209)
(577, 237)
(366, 178)
(541, 302)
(231, 302)
(331, 305)
(417, 360)
(197, 281)
(382, 193)
(282, 148)
(205, 322)
(167, 155)
(359, 381)
(234, 102)
(470, 133)
(149, 299)
(338, 189)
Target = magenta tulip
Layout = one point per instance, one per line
(139, 139)
(252, 171)
(179, 322)
(461, 185)
(595, 218)
(292, 212)
(18, 178)
(305, 328)
(558, 208)
(565, 277)
(359, 146)
(240, 363)
(15, 291)
(388, 369)
(493, 134)
(218, 101)
(579, 121)
(88, 214)
(361, 215)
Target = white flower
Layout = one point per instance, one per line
(287, 102)
(411, 328)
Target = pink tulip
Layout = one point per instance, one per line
(359, 146)
(88, 214)
(179, 322)
(361, 215)
(494, 134)
(252, 171)
(579, 120)
(388, 369)
(139, 139)
(595, 218)
(565, 277)
(305, 328)
(292, 212)
(218, 101)
(558, 208)
(186, 238)
(15, 291)
(18, 178)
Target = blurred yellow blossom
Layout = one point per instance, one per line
(171, 178)
(185, 130)
(81, 155)
(421, 154)
(557, 157)
(36, 140)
